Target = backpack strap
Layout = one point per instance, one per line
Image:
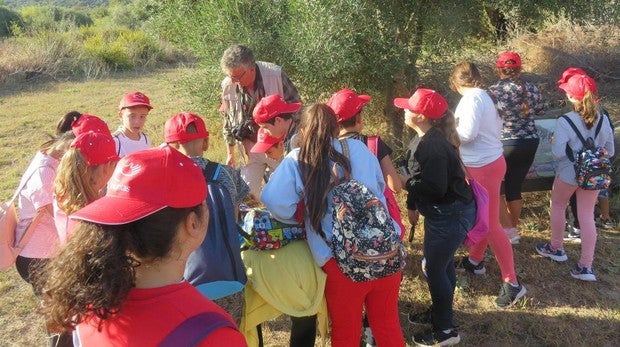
(584, 143)
(194, 329)
(373, 144)
(212, 170)
(345, 152)
(599, 125)
(572, 125)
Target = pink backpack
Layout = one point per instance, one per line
(481, 227)
(373, 143)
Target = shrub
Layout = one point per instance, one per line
(48, 17)
(8, 18)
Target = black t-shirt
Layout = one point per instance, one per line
(437, 175)
(382, 148)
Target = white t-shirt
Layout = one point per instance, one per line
(125, 145)
(479, 126)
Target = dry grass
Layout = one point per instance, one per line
(558, 311)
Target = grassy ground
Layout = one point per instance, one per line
(558, 310)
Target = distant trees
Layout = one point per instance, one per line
(377, 47)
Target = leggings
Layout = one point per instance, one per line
(346, 299)
(303, 332)
(27, 268)
(586, 199)
(490, 177)
(519, 158)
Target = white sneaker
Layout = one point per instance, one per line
(513, 235)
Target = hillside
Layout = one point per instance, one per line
(61, 3)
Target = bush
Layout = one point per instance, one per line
(122, 48)
(8, 18)
(47, 17)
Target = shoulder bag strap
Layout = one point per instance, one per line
(22, 185)
(28, 233)
(194, 329)
(373, 144)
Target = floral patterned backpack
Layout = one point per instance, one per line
(364, 243)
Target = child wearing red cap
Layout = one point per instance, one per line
(278, 118)
(188, 133)
(119, 281)
(573, 232)
(83, 172)
(519, 102)
(581, 91)
(478, 127)
(348, 107)
(444, 198)
(273, 147)
(64, 123)
(132, 110)
(304, 176)
(33, 203)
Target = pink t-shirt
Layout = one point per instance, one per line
(36, 194)
(64, 224)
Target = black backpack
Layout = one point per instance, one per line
(216, 268)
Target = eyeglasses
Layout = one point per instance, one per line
(238, 78)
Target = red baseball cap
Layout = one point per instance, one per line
(145, 182)
(271, 106)
(577, 85)
(508, 59)
(424, 101)
(264, 141)
(568, 73)
(96, 148)
(346, 103)
(135, 99)
(88, 122)
(175, 129)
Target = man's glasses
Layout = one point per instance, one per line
(238, 78)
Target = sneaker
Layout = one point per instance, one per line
(513, 235)
(508, 295)
(604, 223)
(572, 234)
(583, 273)
(437, 338)
(463, 264)
(545, 250)
(424, 317)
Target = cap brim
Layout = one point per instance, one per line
(402, 103)
(563, 86)
(260, 147)
(112, 210)
(138, 104)
(292, 107)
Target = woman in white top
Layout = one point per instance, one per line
(478, 127)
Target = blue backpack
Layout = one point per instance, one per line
(216, 268)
